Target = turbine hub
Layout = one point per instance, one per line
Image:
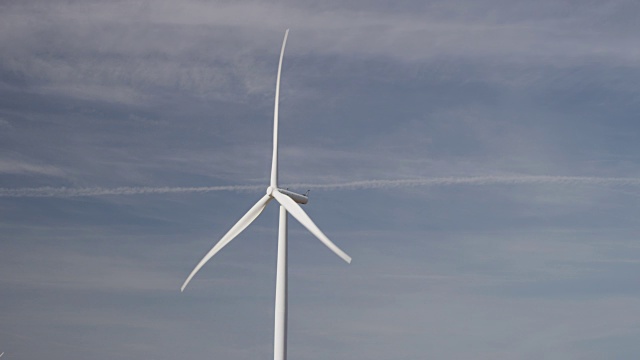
(270, 191)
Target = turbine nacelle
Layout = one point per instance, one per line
(299, 198)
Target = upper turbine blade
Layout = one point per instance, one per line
(244, 221)
(274, 160)
(304, 219)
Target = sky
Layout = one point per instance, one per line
(478, 160)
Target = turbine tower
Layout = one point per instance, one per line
(288, 201)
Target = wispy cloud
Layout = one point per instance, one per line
(63, 192)
(90, 50)
(12, 166)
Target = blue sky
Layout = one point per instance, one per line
(477, 159)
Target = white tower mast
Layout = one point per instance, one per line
(280, 321)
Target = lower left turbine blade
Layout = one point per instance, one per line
(242, 224)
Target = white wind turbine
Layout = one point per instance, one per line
(288, 204)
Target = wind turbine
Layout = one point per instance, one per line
(288, 201)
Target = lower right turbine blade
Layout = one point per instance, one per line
(296, 211)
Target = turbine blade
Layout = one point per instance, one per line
(274, 160)
(244, 221)
(296, 211)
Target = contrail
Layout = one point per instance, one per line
(65, 192)
(477, 180)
